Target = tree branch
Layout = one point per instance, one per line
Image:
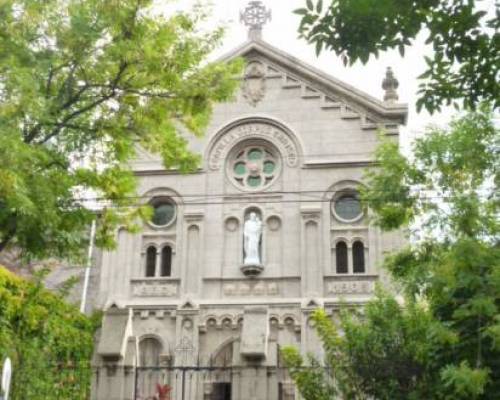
(76, 113)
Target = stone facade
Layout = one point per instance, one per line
(292, 148)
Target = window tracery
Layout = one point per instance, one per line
(253, 166)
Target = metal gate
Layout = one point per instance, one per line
(212, 383)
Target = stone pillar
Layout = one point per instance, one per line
(186, 349)
(193, 250)
(312, 270)
(253, 383)
(115, 358)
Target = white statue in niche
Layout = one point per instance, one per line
(252, 231)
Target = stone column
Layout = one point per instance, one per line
(311, 260)
(116, 357)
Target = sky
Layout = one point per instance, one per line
(281, 32)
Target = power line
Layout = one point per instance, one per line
(238, 198)
(254, 194)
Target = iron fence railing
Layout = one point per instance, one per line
(213, 383)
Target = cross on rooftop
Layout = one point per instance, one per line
(255, 15)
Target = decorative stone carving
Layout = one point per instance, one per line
(351, 287)
(260, 288)
(252, 166)
(232, 224)
(254, 83)
(154, 289)
(187, 325)
(274, 223)
(310, 214)
(390, 85)
(272, 288)
(255, 16)
(253, 130)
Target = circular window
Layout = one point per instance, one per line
(253, 167)
(164, 211)
(347, 207)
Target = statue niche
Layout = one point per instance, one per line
(252, 244)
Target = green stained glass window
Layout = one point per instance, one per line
(253, 167)
(239, 168)
(269, 167)
(254, 181)
(255, 154)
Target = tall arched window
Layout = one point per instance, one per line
(150, 261)
(166, 261)
(341, 258)
(358, 257)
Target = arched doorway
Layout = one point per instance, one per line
(151, 378)
(218, 383)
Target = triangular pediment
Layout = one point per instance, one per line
(330, 93)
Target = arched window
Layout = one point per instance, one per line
(341, 258)
(358, 257)
(166, 261)
(150, 261)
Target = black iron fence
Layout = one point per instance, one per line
(213, 383)
(70, 381)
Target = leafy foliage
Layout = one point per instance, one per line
(443, 343)
(50, 342)
(384, 353)
(81, 84)
(466, 42)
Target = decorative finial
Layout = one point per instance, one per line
(255, 16)
(390, 84)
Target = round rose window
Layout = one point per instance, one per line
(347, 207)
(163, 211)
(253, 167)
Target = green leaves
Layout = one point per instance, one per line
(50, 342)
(443, 342)
(464, 381)
(83, 83)
(464, 67)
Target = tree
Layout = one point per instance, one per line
(444, 342)
(465, 62)
(49, 341)
(82, 82)
(385, 352)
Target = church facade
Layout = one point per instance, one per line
(239, 253)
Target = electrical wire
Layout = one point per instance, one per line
(240, 198)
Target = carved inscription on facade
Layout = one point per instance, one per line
(154, 289)
(251, 289)
(255, 130)
(351, 287)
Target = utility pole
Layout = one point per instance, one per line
(87, 268)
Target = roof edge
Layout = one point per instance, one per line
(391, 110)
